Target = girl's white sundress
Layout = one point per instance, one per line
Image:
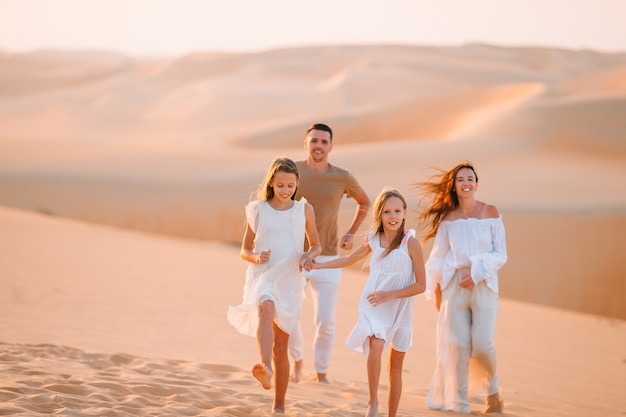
(279, 280)
(392, 320)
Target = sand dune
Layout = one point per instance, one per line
(608, 82)
(203, 93)
(178, 146)
(49, 72)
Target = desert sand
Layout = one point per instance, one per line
(123, 182)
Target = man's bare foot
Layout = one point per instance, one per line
(263, 374)
(278, 410)
(322, 378)
(297, 371)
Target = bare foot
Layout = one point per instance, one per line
(372, 411)
(297, 371)
(278, 410)
(263, 374)
(495, 404)
(322, 378)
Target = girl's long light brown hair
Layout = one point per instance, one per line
(439, 197)
(266, 191)
(379, 204)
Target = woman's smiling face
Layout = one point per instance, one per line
(465, 182)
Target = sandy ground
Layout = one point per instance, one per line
(100, 321)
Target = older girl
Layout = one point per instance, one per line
(273, 244)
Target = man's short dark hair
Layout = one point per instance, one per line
(322, 127)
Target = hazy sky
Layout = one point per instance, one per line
(173, 27)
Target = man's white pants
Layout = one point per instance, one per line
(465, 329)
(324, 289)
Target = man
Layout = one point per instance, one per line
(324, 185)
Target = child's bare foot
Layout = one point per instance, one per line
(263, 374)
(297, 371)
(322, 378)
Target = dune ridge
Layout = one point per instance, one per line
(205, 92)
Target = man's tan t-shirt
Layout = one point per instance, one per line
(324, 191)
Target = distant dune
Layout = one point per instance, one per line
(177, 146)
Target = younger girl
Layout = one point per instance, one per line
(273, 244)
(386, 306)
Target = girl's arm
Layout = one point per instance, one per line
(247, 246)
(418, 287)
(347, 260)
(307, 260)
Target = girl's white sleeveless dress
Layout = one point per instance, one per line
(391, 321)
(279, 280)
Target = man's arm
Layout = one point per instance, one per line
(363, 206)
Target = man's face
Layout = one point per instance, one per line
(318, 145)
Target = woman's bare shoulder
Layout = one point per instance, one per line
(490, 211)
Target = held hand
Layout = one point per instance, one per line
(264, 256)
(467, 282)
(346, 242)
(378, 297)
(306, 262)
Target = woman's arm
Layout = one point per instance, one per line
(438, 295)
(486, 265)
(434, 264)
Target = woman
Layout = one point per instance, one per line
(462, 273)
